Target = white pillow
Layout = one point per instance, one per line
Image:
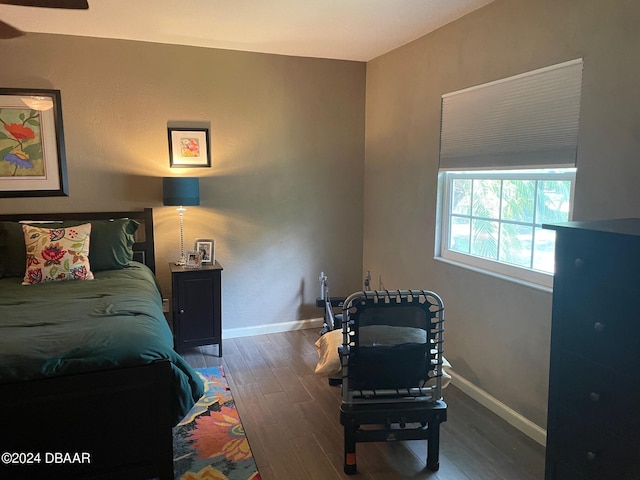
(328, 358)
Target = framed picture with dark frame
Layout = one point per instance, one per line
(32, 152)
(207, 249)
(189, 147)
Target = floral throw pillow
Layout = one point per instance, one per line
(55, 254)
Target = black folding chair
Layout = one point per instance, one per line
(392, 370)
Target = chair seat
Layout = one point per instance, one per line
(393, 412)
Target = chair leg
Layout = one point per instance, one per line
(433, 445)
(350, 428)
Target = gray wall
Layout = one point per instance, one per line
(283, 199)
(497, 333)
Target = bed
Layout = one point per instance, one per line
(90, 386)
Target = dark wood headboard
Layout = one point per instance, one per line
(143, 248)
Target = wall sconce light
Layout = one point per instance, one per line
(181, 192)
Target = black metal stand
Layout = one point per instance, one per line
(395, 421)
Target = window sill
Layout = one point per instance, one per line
(508, 278)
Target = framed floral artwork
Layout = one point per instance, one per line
(32, 152)
(189, 147)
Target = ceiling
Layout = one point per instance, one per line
(339, 29)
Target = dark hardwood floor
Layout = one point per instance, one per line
(291, 418)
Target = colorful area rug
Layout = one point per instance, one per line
(209, 443)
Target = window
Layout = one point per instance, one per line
(492, 219)
(508, 153)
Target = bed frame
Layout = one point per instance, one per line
(100, 425)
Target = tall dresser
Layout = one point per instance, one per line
(593, 428)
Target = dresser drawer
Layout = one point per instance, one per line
(601, 324)
(604, 256)
(596, 454)
(562, 471)
(600, 394)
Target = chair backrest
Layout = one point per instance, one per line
(392, 344)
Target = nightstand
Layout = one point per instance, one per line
(197, 306)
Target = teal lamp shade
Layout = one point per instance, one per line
(180, 191)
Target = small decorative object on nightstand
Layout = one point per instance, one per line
(194, 259)
(207, 249)
(197, 306)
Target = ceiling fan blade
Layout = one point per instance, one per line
(7, 31)
(70, 4)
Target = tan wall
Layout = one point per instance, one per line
(497, 332)
(283, 199)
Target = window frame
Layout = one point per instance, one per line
(512, 272)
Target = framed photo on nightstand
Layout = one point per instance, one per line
(194, 260)
(207, 249)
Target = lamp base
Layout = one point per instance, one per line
(182, 260)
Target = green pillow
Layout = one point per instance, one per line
(110, 247)
(13, 253)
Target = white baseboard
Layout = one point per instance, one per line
(512, 417)
(272, 328)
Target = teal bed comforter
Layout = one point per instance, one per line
(70, 327)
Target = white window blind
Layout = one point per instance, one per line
(525, 121)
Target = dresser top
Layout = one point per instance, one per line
(624, 226)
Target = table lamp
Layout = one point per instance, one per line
(181, 192)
